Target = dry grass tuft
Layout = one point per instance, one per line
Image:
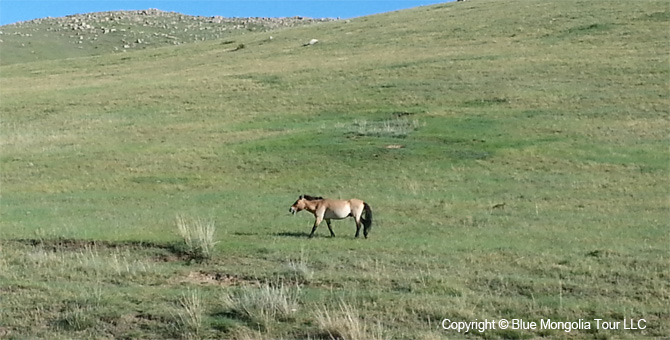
(396, 127)
(264, 304)
(198, 236)
(189, 316)
(346, 324)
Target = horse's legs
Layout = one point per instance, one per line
(313, 230)
(316, 224)
(332, 234)
(358, 226)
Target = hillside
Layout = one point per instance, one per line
(514, 154)
(121, 31)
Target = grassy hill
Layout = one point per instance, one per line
(434, 116)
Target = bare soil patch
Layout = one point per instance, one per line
(218, 279)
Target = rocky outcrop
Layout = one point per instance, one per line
(132, 29)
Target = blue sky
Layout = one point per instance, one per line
(21, 10)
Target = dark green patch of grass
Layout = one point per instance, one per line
(588, 29)
(485, 102)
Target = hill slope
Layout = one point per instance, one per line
(121, 31)
(556, 113)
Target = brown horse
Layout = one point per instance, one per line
(328, 209)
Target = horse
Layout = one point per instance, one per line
(323, 208)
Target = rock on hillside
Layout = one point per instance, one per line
(123, 30)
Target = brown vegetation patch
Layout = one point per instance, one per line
(5, 332)
(218, 279)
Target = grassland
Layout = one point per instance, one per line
(432, 115)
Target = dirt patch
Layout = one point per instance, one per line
(394, 146)
(218, 279)
(170, 257)
(399, 114)
(5, 332)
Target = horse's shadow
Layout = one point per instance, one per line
(244, 233)
(292, 234)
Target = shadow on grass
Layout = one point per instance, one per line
(244, 233)
(300, 234)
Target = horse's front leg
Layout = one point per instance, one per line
(316, 224)
(332, 234)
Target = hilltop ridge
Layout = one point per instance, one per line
(116, 31)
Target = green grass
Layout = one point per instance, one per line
(431, 115)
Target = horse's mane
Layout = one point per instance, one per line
(312, 198)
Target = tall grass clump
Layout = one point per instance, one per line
(198, 236)
(265, 304)
(3, 262)
(345, 324)
(77, 319)
(125, 265)
(298, 270)
(244, 333)
(189, 316)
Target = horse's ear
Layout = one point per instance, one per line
(301, 197)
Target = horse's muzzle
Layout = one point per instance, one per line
(292, 210)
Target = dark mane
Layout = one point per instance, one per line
(312, 198)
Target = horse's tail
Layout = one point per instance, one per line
(367, 220)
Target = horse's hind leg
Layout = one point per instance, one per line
(358, 226)
(332, 234)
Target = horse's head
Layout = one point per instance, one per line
(298, 205)
(302, 203)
